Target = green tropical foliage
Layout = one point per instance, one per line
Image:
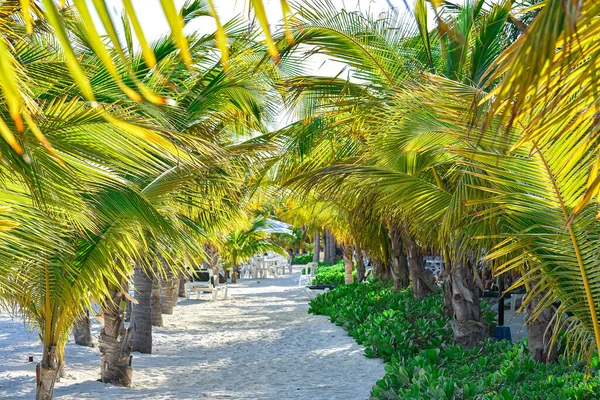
(303, 259)
(414, 338)
(242, 244)
(474, 139)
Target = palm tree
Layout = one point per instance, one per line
(549, 102)
(388, 59)
(82, 330)
(242, 244)
(97, 159)
(141, 321)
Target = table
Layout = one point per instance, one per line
(270, 263)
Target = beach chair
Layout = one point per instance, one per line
(309, 272)
(203, 281)
(257, 268)
(313, 291)
(284, 264)
(246, 270)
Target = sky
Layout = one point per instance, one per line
(152, 19)
(154, 23)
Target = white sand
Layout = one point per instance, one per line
(258, 344)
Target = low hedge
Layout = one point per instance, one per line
(415, 339)
(331, 274)
(303, 259)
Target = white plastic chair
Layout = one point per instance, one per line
(256, 267)
(310, 271)
(246, 270)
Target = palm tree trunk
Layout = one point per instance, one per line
(62, 369)
(317, 247)
(381, 270)
(348, 264)
(175, 290)
(423, 283)
(398, 262)
(447, 309)
(468, 325)
(82, 330)
(166, 294)
(233, 274)
(333, 249)
(325, 246)
(213, 260)
(47, 373)
(539, 332)
(329, 247)
(155, 306)
(115, 343)
(181, 291)
(166, 287)
(360, 264)
(141, 318)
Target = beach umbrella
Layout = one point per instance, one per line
(274, 226)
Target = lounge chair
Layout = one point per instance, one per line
(314, 290)
(203, 281)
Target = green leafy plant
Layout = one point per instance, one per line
(331, 274)
(303, 259)
(415, 339)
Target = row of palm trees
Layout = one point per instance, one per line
(465, 140)
(476, 140)
(158, 164)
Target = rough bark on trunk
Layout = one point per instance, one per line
(234, 274)
(329, 248)
(213, 260)
(166, 296)
(181, 290)
(82, 330)
(166, 287)
(447, 290)
(348, 264)
(141, 318)
(423, 282)
(155, 306)
(381, 270)
(47, 373)
(398, 262)
(468, 324)
(115, 343)
(62, 369)
(539, 332)
(325, 246)
(332, 249)
(175, 291)
(360, 264)
(317, 247)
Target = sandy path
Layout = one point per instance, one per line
(259, 344)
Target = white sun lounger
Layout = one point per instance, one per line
(204, 285)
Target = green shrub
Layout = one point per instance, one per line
(324, 264)
(303, 259)
(416, 340)
(388, 323)
(500, 370)
(331, 274)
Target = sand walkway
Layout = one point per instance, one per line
(259, 344)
